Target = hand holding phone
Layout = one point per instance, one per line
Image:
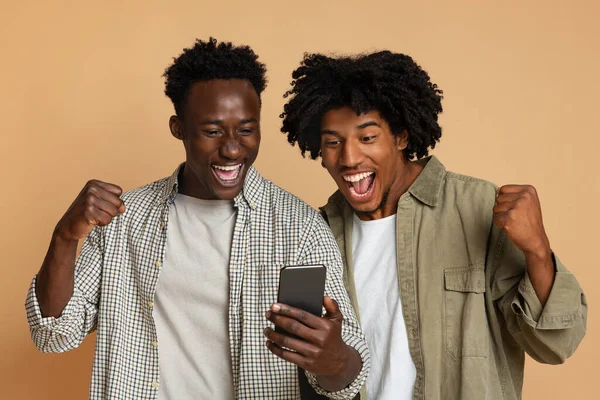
(302, 336)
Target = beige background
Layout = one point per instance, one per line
(81, 97)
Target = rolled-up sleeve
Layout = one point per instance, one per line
(550, 333)
(78, 318)
(319, 247)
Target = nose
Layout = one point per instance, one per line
(231, 149)
(351, 155)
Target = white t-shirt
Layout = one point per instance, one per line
(192, 301)
(393, 372)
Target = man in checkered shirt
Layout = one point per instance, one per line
(216, 234)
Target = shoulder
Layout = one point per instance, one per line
(146, 195)
(286, 204)
(469, 185)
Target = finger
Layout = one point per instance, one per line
(287, 355)
(502, 219)
(503, 207)
(332, 309)
(508, 197)
(94, 216)
(298, 314)
(114, 189)
(105, 206)
(292, 326)
(108, 196)
(288, 342)
(511, 189)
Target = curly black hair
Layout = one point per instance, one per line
(390, 83)
(211, 60)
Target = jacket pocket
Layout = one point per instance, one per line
(465, 321)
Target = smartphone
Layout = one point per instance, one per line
(302, 286)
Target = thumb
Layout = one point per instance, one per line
(332, 309)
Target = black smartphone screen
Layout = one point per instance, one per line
(303, 287)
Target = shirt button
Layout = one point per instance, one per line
(150, 304)
(155, 344)
(154, 385)
(158, 263)
(252, 204)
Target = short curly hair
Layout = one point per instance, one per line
(211, 60)
(390, 83)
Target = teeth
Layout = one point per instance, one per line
(227, 167)
(357, 177)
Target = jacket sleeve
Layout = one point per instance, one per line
(550, 333)
(78, 318)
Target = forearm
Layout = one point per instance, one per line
(340, 381)
(55, 281)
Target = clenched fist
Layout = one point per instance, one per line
(97, 204)
(518, 212)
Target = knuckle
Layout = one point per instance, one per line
(314, 353)
(293, 327)
(321, 341)
(302, 316)
(88, 214)
(90, 199)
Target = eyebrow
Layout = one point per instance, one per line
(361, 126)
(220, 121)
(367, 124)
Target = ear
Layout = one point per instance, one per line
(402, 140)
(176, 127)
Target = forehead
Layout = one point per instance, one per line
(345, 118)
(219, 98)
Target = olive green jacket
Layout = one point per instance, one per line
(469, 306)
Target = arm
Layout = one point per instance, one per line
(338, 359)
(542, 303)
(62, 300)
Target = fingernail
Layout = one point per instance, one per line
(275, 307)
(268, 314)
(266, 331)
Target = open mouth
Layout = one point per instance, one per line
(228, 175)
(360, 185)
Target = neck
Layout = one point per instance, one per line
(190, 185)
(406, 175)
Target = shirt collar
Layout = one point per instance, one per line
(248, 197)
(426, 187)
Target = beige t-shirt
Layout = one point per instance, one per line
(192, 301)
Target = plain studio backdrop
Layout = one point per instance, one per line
(81, 97)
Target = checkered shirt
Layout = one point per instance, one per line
(116, 278)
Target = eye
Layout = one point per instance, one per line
(332, 142)
(367, 139)
(212, 133)
(246, 131)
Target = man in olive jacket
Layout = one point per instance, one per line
(452, 277)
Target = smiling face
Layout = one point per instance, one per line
(220, 130)
(365, 159)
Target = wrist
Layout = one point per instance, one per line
(350, 367)
(61, 241)
(541, 255)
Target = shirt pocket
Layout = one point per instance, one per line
(465, 321)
